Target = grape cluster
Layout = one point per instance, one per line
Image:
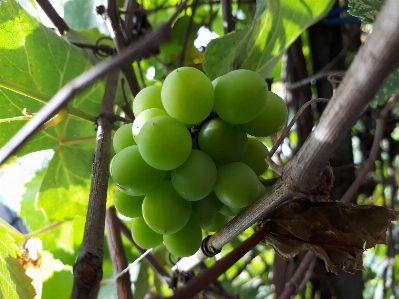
(187, 162)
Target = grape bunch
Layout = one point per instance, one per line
(190, 160)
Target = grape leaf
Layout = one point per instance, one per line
(366, 10)
(14, 283)
(60, 284)
(260, 45)
(336, 232)
(388, 88)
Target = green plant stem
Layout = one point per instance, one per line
(43, 98)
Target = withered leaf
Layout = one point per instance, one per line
(336, 232)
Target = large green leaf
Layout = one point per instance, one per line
(35, 58)
(14, 283)
(260, 45)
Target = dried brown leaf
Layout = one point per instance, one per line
(336, 232)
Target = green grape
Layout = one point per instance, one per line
(271, 120)
(164, 142)
(217, 223)
(227, 211)
(129, 206)
(123, 138)
(164, 210)
(209, 205)
(204, 220)
(131, 174)
(143, 235)
(186, 241)
(187, 95)
(261, 189)
(215, 82)
(222, 141)
(149, 97)
(143, 117)
(254, 156)
(240, 96)
(196, 177)
(236, 185)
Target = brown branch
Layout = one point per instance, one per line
(52, 14)
(188, 32)
(118, 255)
(152, 262)
(209, 275)
(88, 266)
(296, 280)
(367, 165)
(228, 24)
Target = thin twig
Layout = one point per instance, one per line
(52, 14)
(82, 81)
(375, 148)
(228, 24)
(296, 280)
(277, 168)
(118, 255)
(188, 32)
(158, 269)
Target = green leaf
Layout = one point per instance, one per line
(60, 284)
(366, 10)
(260, 45)
(14, 283)
(388, 88)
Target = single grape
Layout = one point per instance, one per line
(186, 241)
(204, 220)
(209, 205)
(227, 211)
(149, 97)
(236, 185)
(187, 95)
(143, 117)
(143, 235)
(164, 142)
(222, 141)
(123, 138)
(240, 96)
(129, 206)
(254, 156)
(271, 120)
(164, 210)
(217, 223)
(196, 177)
(131, 174)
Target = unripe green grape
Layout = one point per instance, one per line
(227, 211)
(129, 206)
(143, 117)
(236, 185)
(131, 174)
(186, 241)
(222, 141)
(204, 220)
(123, 138)
(164, 210)
(149, 97)
(196, 177)
(254, 156)
(187, 95)
(240, 96)
(271, 120)
(209, 205)
(164, 142)
(218, 222)
(143, 235)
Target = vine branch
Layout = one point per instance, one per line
(52, 14)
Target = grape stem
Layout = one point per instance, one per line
(277, 168)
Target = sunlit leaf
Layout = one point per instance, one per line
(260, 45)
(366, 10)
(14, 284)
(388, 88)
